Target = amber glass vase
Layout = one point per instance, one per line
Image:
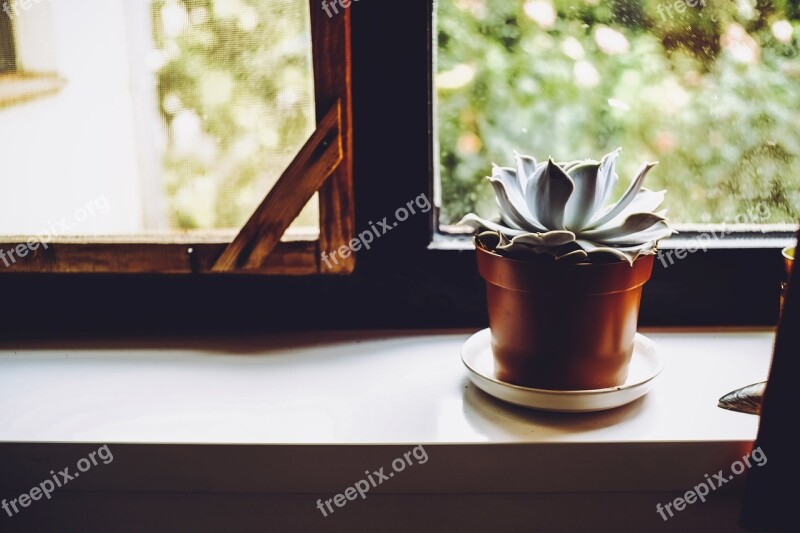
(788, 259)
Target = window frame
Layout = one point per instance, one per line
(198, 253)
(408, 279)
(9, 45)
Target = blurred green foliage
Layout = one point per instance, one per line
(235, 90)
(712, 92)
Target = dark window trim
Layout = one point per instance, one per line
(401, 282)
(8, 48)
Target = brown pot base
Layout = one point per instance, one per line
(562, 326)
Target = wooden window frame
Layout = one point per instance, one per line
(411, 278)
(324, 165)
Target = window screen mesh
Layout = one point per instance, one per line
(173, 114)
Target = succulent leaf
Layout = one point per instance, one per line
(608, 179)
(633, 224)
(526, 165)
(552, 238)
(581, 205)
(562, 210)
(508, 211)
(480, 224)
(551, 195)
(572, 164)
(633, 189)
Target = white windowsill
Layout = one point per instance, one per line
(336, 401)
(345, 388)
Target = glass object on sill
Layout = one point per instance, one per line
(748, 399)
(788, 259)
(745, 400)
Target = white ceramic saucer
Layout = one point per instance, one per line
(646, 365)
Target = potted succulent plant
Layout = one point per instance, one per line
(564, 270)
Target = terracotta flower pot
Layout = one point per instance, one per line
(562, 326)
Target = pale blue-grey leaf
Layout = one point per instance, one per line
(646, 201)
(508, 210)
(550, 196)
(607, 179)
(580, 207)
(551, 238)
(634, 223)
(656, 232)
(626, 198)
(526, 165)
(478, 223)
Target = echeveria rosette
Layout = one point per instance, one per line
(563, 210)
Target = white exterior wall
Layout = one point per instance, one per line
(59, 153)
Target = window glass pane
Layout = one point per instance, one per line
(171, 114)
(709, 89)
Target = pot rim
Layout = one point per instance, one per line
(554, 262)
(550, 277)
